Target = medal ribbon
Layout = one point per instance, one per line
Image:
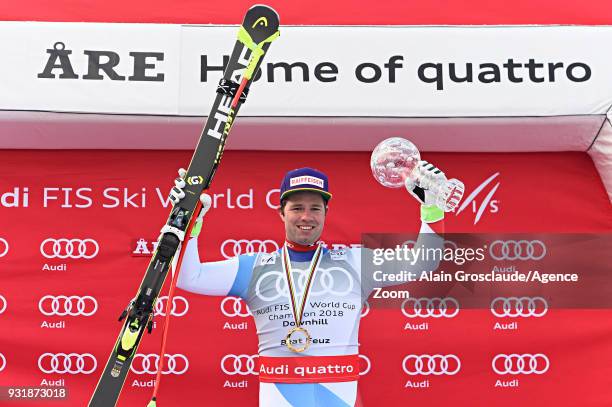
(314, 263)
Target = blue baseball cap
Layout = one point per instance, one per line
(305, 179)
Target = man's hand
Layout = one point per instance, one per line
(429, 186)
(425, 182)
(177, 193)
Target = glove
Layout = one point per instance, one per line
(177, 193)
(425, 182)
(437, 195)
(424, 186)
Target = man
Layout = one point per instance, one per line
(306, 300)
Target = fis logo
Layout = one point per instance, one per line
(488, 204)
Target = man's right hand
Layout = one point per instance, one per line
(177, 193)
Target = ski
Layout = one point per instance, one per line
(258, 30)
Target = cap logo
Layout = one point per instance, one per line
(307, 179)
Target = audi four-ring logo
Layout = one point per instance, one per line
(173, 364)
(62, 305)
(180, 306)
(519, 307)
(365, 309)
(3, 304)
(517, 250)
(239, 365)
(234, 307)
(435, 307)
(520, 364)
(324, 283)
(368, 364)
(232, 247)
(4, 247)
(69, 248)
(426, 365)
(72, 363)
(2, 362)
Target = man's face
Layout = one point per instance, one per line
(304, 217)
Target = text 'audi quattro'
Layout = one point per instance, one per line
(244, 365)
(64, 248)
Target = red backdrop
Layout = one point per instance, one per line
(558, 192)
(316, 12)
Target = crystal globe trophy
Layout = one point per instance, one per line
(396, 159)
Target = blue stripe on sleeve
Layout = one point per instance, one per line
(309, 395)
(243, 276)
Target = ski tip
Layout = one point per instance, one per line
(152, 403)
(261, 17)
(263, 8)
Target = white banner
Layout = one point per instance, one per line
(310, 70)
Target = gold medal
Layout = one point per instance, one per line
(294, 348)
(298, 311)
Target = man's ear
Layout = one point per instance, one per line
(281, 214)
